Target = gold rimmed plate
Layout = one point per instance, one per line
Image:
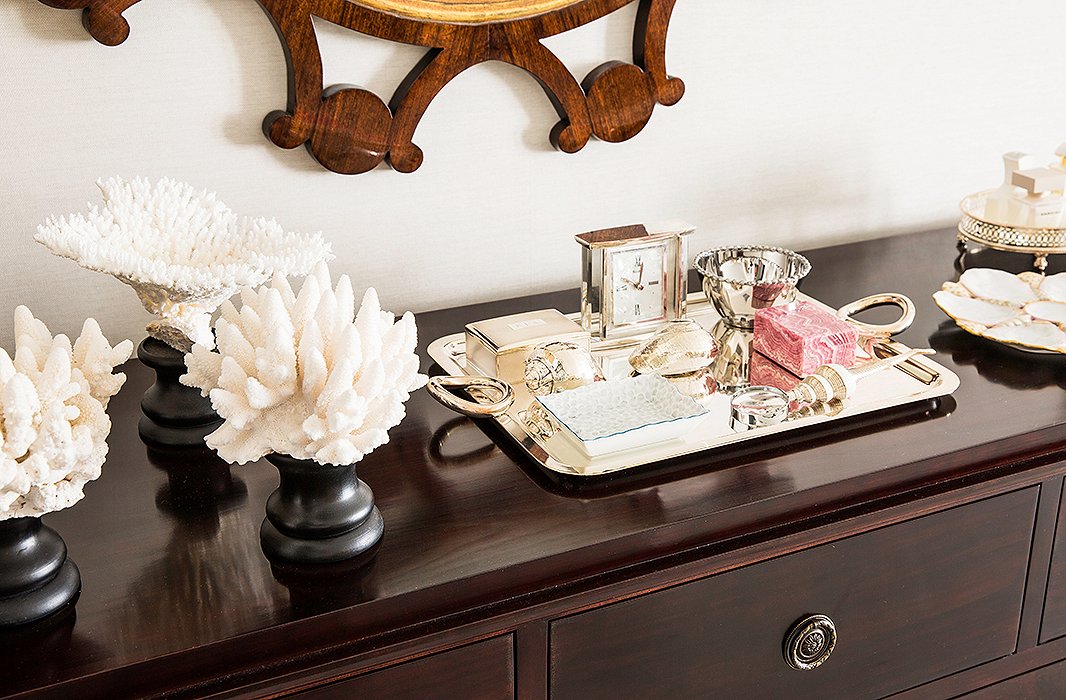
(986, 303)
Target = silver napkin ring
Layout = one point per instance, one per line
(498, 393)
(757, 407)
(559, 366)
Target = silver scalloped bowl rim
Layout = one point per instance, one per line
(793, 279)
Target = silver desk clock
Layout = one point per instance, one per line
(632, 280)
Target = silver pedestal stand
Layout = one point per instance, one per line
(1038, 242)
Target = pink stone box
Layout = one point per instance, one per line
(803, 336)
(766, 372)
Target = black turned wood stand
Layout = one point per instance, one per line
(37, 579)
(175, 415)
(320, 514)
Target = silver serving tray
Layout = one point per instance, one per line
(556, 452)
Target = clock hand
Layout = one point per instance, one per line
(636, 286)
(640, 279)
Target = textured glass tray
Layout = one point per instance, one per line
(649, 410)
(539, 436)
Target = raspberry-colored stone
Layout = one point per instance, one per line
(802, 336)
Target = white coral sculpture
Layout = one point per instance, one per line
(184, 252)
(303, 375)
(53, 415)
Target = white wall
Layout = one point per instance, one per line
(805, 123)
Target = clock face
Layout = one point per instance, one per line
(632, 281)
(637, 279)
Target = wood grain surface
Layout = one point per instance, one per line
(467, 11)
(1053, 623)
(102, 18)
(350, 130)
(178, 597)
(480, 671)
(713, 638)
(1047, 682)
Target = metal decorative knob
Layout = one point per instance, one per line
(810, 642)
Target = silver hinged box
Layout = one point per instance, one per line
(498, 347)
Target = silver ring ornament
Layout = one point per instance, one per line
(500, 395)
(873, 330)
(559, 366)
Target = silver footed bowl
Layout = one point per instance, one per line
(739, 280)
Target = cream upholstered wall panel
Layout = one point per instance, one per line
(804, 124)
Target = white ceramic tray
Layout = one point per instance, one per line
(537, 433)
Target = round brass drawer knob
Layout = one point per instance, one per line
(810, 642)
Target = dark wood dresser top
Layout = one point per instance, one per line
(176, 590)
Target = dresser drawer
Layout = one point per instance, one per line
(479, 671)
(1053, 624)
(1047, 682)
(911, 602)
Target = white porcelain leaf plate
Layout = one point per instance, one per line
(607, 417)
(1025, 311)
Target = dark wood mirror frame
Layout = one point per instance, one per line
(350, 130)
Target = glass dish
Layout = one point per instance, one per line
(611, 416)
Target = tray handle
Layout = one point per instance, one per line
(498, 392)
(875, 330)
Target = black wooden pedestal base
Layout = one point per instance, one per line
(36, 577)
(319, 514)
(175, 415)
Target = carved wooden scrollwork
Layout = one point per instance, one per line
(351, 130)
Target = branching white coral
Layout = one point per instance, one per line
(184, 252)
(53, 415)
(296, 375)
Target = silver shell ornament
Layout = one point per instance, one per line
(679, 347)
